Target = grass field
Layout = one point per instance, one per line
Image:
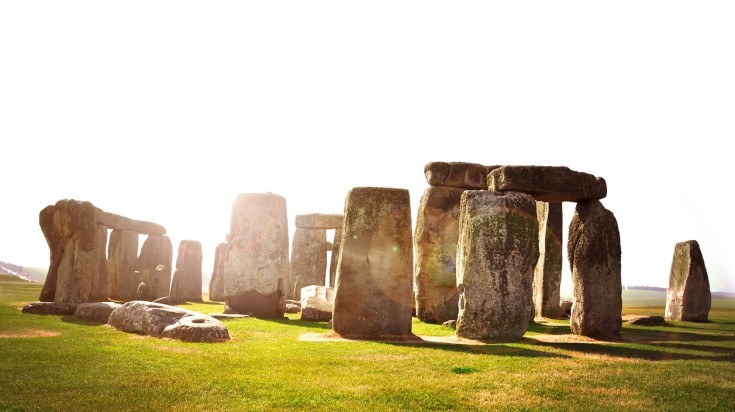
(53, 363)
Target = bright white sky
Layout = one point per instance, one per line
(165, 111)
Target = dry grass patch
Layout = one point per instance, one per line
(37, 333)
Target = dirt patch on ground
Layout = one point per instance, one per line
(36, 333)
(567, 338)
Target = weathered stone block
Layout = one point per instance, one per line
(217, 283)
(457, 174)
(155, 264)
(49, 308)
(435, 243)
(496, 255)
(547, 275)
(319, 221)
(547, 183)
(122, 282)
(308, 259)
(373, 297)
(317, 303)
(187, 281)
(688, 297)
(96, 311)
(594, 256)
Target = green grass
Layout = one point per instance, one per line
(55, 363)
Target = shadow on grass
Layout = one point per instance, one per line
(490, 348)
(303, 323)
(635, 353)
(81, 322)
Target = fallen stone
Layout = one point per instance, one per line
(547, 183)
(319, 221)
(293, 302)
(49, 308)
(164, 321)
(594, 256)
(565, 309)
(374, 289)
(547, 274)
(435, 243)
(457, 174)
(450, 324)
(496, 255)
(648, 321)
(228, 316)
(187, 280)
(688, 297)
(317, 303)
(292, 308)
(96, 311)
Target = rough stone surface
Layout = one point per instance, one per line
(122, 282)
(450, 324)
(457, 174)
(256, 264)
(99, 290)
(547, 275)
(594, 256)
(565, 309)
(374, 293)
(50, 308)
(308, 259)
(217, 283)
(56, 244)
(187, 281)
(688, 297)
(74, 220)
(228, 316)
(317, 303)
(435, 243)
(114, 221)
(164, 321)
(291, 308)
(143, 292)
(336, 245)
(155, 265)
(96, 311)
(319, 221)
(496, 255)
(647, 321)
(547, 183)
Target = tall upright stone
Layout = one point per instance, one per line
(373, 297)
(187, 281)
(99, 279)
(56, 244)
(122, 282)
(256, 264)
(336, 247)
(547, 276)
(154, 265)
(308, 259)
(75, 221)
(688, 297)
(496, 255)
(435, 243)
(594, 256)
(217, 283)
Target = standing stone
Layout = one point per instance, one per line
(336, 246)
(122, 282)
(74, 220)
(187, 282)
(317, 303)
(308, 259)
(373, 297)
(688, 297)
(496, 255)
(547, 276)
(594, 255)
(217, 283)
(437, 232)
(256, 264)
(56, 244)
(154, 265)
(99, 281)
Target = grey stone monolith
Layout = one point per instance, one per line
(122, 281)
(187, 279)
(688, 297)
(547, 275)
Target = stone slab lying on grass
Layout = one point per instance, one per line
(291, 308)
(317, 303)
(648, 321)
(228, 316)
(50, 308)
(164, 321)
(96, 312)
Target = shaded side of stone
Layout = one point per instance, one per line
(217, 283)
(496, 256)
(336, 247)
(122, 282)
(56, 244)
(547, 183)
(373, 297)
(594, 257)
(187, 280)
(457, 174)
(254, 304)
(547, 275)
(50, 308)
(74, 220)
(435, 243)
(648, 321)
(99, 291)
(308, 259)
(96, 312)
(688, 297)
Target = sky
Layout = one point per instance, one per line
(165, 111)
